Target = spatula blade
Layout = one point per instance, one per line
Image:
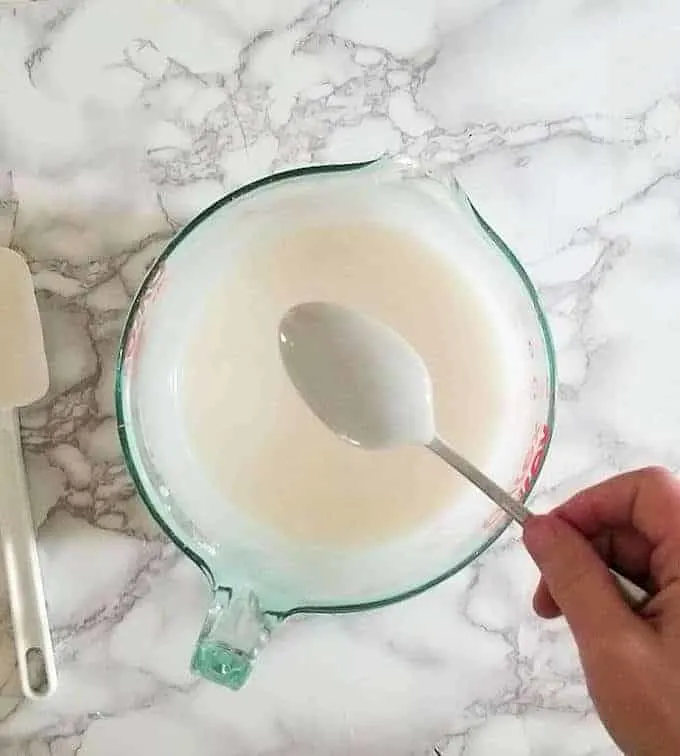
(24, 377)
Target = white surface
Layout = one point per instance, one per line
(118, 121)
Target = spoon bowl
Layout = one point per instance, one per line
(361, 379)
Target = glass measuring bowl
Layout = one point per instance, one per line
(258, 579)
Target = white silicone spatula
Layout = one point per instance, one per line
(23, 380)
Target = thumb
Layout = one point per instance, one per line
(577, 578)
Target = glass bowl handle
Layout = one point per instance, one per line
(234, 631)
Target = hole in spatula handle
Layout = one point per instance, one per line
(37, 671)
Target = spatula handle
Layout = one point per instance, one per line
(35, 655)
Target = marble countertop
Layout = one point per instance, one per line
(118, 122)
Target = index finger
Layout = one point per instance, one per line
(647, 499)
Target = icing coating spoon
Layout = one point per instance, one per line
(370, 387)
(23, 380)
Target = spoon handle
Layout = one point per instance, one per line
(498, 495)
(634, 596)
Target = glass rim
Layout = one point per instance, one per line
(126, 433)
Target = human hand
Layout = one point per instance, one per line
(631, 661)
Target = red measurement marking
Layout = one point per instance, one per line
(154, 288)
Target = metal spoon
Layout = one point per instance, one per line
(370, 387)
